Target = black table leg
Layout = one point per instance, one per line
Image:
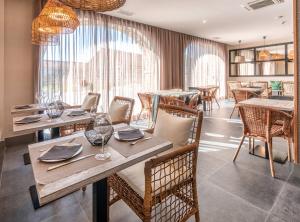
(100, 201)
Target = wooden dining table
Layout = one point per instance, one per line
(286, 105)
(53, 184)
(37, 108)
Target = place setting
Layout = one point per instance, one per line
(28, 120)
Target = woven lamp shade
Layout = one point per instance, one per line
(95, 5)
(264, 55)
(58, 18)
(39, 37)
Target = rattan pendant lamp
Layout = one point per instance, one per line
(57, 18)
(39, 37)
(95, 5)
(264, 54)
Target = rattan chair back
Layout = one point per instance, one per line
(288, 88)
(130, 102)
(232, 85)
(146, 100)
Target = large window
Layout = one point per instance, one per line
(115, 57)
(100, 56)
(205, 65)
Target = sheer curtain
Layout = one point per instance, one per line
(105, 55)
(117, 57)
(205, 64)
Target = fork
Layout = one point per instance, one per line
(141, 140)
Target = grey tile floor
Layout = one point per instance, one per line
(228, 192)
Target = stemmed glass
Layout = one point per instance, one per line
(103, 127)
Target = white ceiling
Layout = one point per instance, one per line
(226, 19)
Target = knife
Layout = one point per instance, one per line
(67, 163)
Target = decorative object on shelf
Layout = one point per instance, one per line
(57, 18)
(291, 55)
(95, 5)
(101, 130)
(239, 58)
(264, 54)
(39, 37)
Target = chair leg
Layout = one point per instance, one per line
(140, 114)
(289, 149)
(232, 112)
(270, 150)
(217, 102)
(237, 152)
(197, 216)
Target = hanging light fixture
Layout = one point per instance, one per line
(291, 55)
(56, 18)
(239, 58)
(264, 54)
(39, 37)
(95, 5)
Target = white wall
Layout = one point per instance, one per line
(18, 62)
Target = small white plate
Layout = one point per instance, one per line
(60, 160)
(116, 135)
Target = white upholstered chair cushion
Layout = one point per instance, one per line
(135, 178)
(117, 111)
(173, 128)
(88, 102)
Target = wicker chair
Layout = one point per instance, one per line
(210, 97)
(264, 85)
(241, 95)
(169, 190)
(232, 85)
(146, 101)
(194, 102)
(262, 123)
(288, 88)
(67, 130)
(130, 102)
(171, 100)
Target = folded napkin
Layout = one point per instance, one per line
(29, 119)
(130, 134)
(61, 152)
(23, 107)
(76, 113)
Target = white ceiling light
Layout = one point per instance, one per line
(204, 21)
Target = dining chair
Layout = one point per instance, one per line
(117, 115)
(163, 188)
(267, 91)
(241, 95)
(288, 88)
(264, 124)
(172, 100)
(146, 102)
(194, 101)
(210, 97)
(90, 100)
(232, 85)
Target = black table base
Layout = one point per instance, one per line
(100, 201)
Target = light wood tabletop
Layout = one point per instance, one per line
(284, 105)
(34, 108)
(54, 184)
(173, 93)
(204, 88)
(46, 123)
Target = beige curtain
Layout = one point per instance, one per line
(204, 63)
(113, 57)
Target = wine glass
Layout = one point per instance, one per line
(103, 127)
